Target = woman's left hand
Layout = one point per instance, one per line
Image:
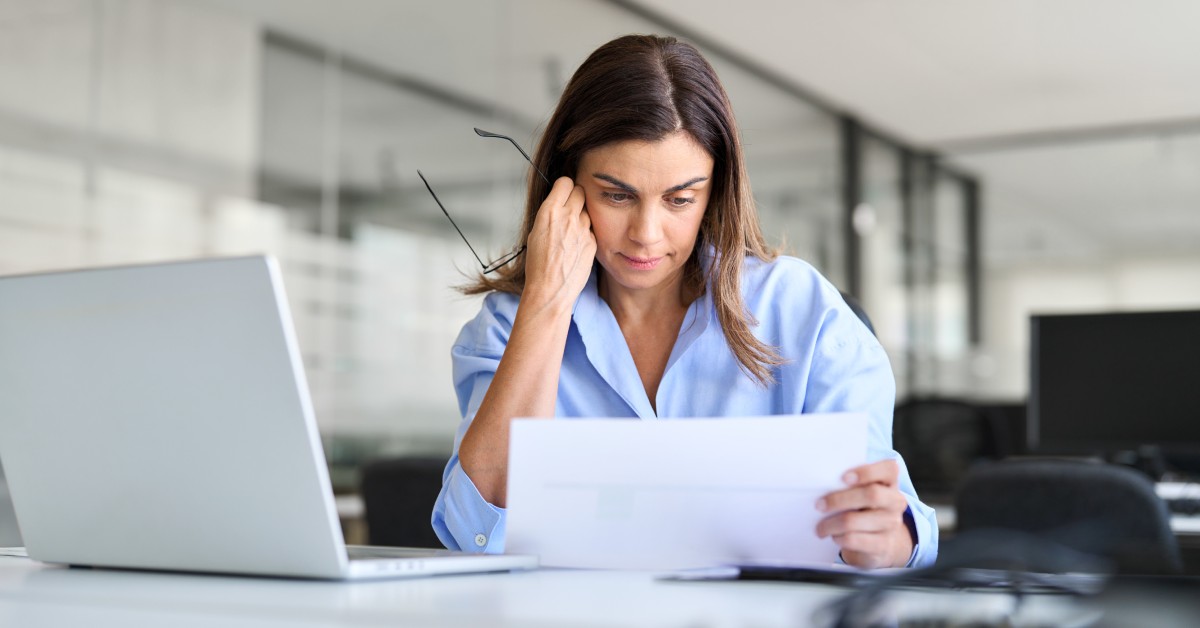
(866, 519)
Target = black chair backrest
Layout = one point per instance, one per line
(398, 496)
(858, 310)
(1096, 508)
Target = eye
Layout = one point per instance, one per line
(681, 201)
(616, 197)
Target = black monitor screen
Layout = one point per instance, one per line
(1106, 382)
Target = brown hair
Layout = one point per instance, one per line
(644, 87)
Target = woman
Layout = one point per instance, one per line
(647, 290)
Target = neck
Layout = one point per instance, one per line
(637, 306)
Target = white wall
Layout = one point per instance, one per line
(1015, 292)
(155, 86)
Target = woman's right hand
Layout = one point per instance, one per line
(561, 247)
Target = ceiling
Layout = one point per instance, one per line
(1082, 117)
(943, 70)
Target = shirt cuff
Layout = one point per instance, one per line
(924, 522)
(463, 519)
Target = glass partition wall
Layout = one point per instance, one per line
(883, 221)
(134, 131)
(879, 221)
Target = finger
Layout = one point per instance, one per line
(863, 549)
(884, 472)
(873, 496)
(562, 190)
(576, 200)
(859, 521)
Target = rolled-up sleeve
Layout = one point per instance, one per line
(925, 523)
(462, 518)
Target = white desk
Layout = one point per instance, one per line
(35, 596)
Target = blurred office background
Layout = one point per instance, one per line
(955, 165)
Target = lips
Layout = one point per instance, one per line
(641, 263)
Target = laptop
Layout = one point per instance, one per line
(157, 417)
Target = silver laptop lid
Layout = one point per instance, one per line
(158, 417)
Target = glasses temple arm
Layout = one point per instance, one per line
(481, 133)
(454, 224)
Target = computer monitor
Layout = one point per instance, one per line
(1112, 382)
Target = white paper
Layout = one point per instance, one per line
(677, 493)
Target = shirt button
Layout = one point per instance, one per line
(480, 540)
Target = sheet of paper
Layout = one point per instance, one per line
(677, 493)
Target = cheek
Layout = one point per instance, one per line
(689, 227)
(604, 226)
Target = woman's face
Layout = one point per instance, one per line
(646, 201)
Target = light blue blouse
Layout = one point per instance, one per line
(834, 364)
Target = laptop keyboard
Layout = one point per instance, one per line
(360, 552)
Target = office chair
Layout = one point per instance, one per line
(1096, 508)
(398, 496)
(858, 310)
(941, 438)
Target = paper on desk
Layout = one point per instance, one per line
(678, 493)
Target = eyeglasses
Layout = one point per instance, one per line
(500, 263)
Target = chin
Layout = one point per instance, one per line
(630, 279)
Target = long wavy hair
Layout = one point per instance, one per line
(645, 87)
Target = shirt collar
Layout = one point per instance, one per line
(609, 353)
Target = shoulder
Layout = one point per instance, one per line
(792, 300)
(491, 326)
(788, 281)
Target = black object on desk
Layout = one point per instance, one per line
(814, 575)
(1187, 506)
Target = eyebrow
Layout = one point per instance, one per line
(632, 190)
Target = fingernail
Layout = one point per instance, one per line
(821, 505)
(850, 477)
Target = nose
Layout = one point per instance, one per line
(646, 226)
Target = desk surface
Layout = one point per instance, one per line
(34, 595)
